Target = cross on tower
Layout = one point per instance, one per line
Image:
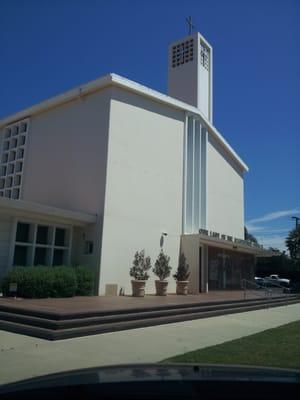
(190, 24)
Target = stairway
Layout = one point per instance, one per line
(53, 326)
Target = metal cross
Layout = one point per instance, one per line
(190, 24)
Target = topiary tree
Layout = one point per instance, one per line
(162, 269)
(141, 265)
(182, 273)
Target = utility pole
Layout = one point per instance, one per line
(297, 219)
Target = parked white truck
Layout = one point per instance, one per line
(275, 278)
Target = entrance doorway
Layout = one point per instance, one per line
(226, 268)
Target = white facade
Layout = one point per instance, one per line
(115, 165)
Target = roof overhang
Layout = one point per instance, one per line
(117, 80)
(234, 245)
(26, 209)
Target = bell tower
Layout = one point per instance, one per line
(190, 66)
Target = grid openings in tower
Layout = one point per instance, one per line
(182, 53)
(12, 159)
(204, 55)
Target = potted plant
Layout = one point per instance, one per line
(162, 269)
(138, 271)
(182, 276)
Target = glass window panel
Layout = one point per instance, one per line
(16, 194)
(3, 170)
(197, 145)
(22, 140)
(22, 234)
(40, 256)
(6, 145)
(88, 247)
(42, 234)
(17, 180)
(189, 175)
(226, 268)
(58, 257)
(20, 255)
(60, 237)
(203, 177)
(5, 157)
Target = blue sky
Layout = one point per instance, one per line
(47, 47)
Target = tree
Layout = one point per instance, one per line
(249, 237)
(293, 243)
(140, 266)
(182, 273)
(162, 267)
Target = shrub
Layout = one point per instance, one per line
(141, 265)
(85, 281)
(40, 282)
(162, 269)
(64, 282)
(33, 282)
(182, 273)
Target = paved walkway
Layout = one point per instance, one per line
(23, 356)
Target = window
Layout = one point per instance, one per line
(88, 247)
(22, 232)
(195, 176)
(182, 53)
(20, 255)
(204, 55)
(58, 257)
(60, 237)
(37, 244)
(40, 256)
(42, 234)
(12, 156)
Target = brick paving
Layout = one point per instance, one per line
(86, 304)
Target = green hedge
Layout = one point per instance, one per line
(41, 282)
(85, 281)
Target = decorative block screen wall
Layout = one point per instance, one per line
(182, 53)
(12, 154)
(204, 55)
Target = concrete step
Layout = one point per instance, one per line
(52, 315)
(127, 322)
(48, 323)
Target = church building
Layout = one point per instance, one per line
(111, 167)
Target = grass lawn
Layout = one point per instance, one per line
(278, 347)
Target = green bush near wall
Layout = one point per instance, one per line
(85, 281)
(42, 281)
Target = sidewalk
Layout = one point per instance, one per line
(23, 357)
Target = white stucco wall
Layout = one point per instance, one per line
(65, 163)
(225, 192)
(144, 186)
(190, 248)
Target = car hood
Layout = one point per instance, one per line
(156, 373)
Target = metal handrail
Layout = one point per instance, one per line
(285, 290)
(267, 290)
(266, 293)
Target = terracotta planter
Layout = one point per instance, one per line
(138, 288)
(182, 287)
(161, 288)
